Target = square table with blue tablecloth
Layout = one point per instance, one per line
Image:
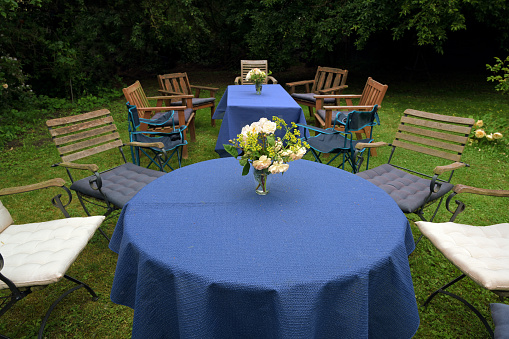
(323, 255)
(241, 106)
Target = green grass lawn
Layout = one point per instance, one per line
(29, 160)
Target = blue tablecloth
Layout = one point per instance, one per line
(240, 106)
(323, 255)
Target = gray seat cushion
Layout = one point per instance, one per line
(196, 101)
(119, 184)
(500, 315)
(175, 120)
(342, 117)
(408, 190)
(310, 98)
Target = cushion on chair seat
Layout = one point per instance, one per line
(196, 101)
(120, 184)
(5, 217)
(342, 117)
(310, 97)
(170, 141)
(408, 190)
(175, 120)
(40, 253)
(481, 252)
(500, 315)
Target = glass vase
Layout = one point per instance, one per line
(261, 178)
(258, 86)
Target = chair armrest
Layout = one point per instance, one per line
(481, 191)
(362, 145)
(162, 108)
(177, 96)
(145, 144)
(332, 89)
(442, 169)
(57, 182)
(237, 80)
(271, 78)
(299, 83)
(338, 96)
(91, 167)
(349, 107)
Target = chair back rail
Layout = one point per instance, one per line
(327, 77)
(433, 134)
(247, 65)
(90, 133)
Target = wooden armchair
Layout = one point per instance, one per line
(184, 116)
(327, 81)
(247, 65)
(178, 83)
(373, 94)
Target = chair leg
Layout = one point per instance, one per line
(212, 111)
(466, 303)
(66, 293)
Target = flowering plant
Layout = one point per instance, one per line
(480, 134)
(256, 75)
(260, 147)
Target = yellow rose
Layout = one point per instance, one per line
(479, 123)
(5, 86)
(497, 135)
(489, 137)
(480, 133)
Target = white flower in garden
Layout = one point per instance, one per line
(497, 135)
(480, 133)
(479, 123)
(262, 163)
(5, 86)
(489, 137)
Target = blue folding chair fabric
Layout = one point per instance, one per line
(172, 141)
(332, 141)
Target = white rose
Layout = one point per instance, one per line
(262, 163)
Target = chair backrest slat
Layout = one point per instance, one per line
(135, 95)
(175, 83)
(433, 134)
(327, 77)
(247, 65)
(92, 151)
(373, 93)
(84, 134)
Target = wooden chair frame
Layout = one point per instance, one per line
(178, 84)
(460, 207)
(135, 95)
(247, 65)
(79, 136)
(432, 134)
(327, 80)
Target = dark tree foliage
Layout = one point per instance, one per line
(77, 47)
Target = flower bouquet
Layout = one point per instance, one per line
(267, 154)
(258, 77)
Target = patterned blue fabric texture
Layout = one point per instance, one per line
(201, 255)
(240, 106)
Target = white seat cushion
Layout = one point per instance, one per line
(40, 253)
(5, 217)
(481, 252)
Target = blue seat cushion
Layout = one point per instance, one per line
(174, 121)
(196, 101)
(408, 190)
(310, 97)
(500, 315)
(119, 184)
